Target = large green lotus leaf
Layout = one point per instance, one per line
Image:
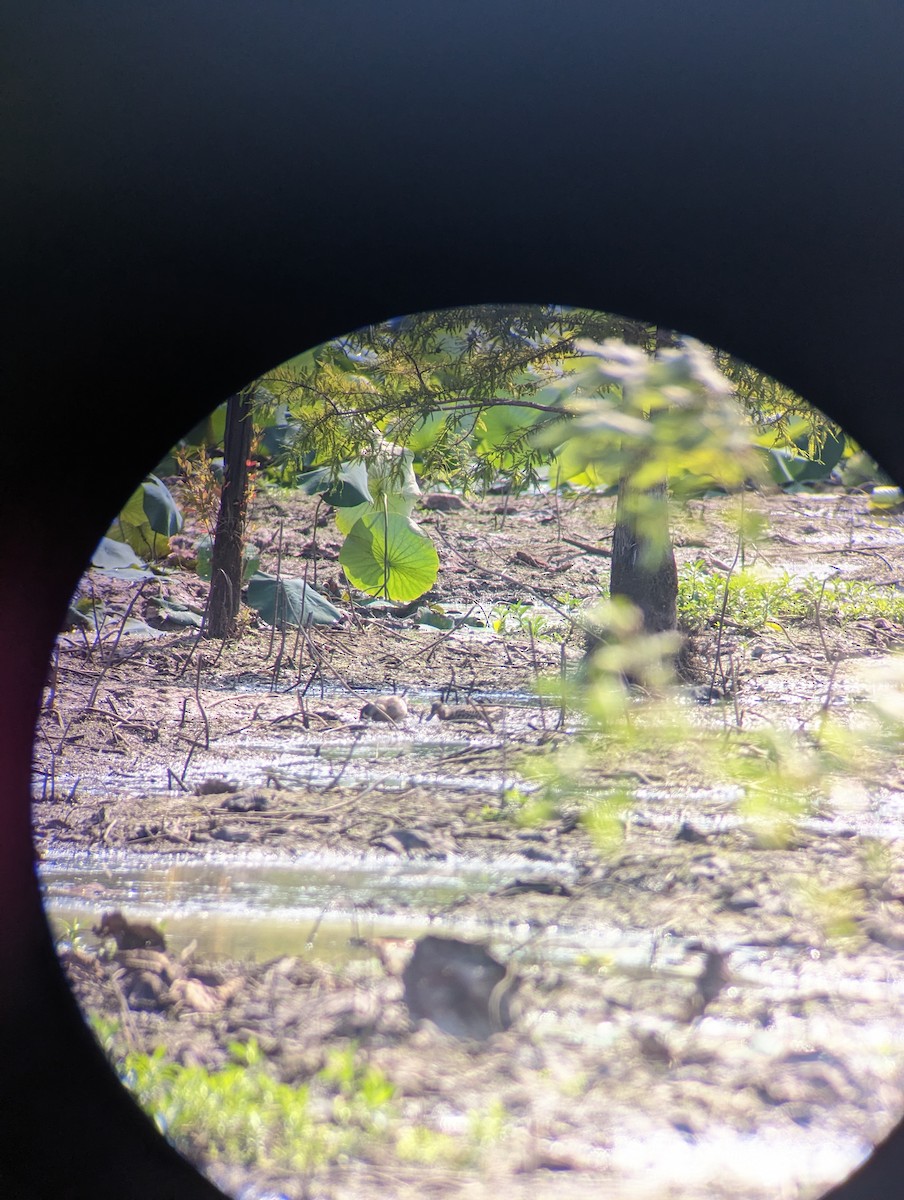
(388, 555)
(786, 467)
(425, 431)
(171, 614)
(160, 508)
(210, 431)
(397, 504)
(204, 554)
(391, 482)
(289, 602)
(341, 489)
(576, 463)
(147, 520)
(141, 538)
(116, 558)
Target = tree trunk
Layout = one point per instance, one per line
(228, 542)
(643, 561)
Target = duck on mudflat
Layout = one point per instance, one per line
(129, 935)
(482, 714)
(386, 708)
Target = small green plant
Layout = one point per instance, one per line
(106, 1030)
(754, 602)
(71, 933)
(429, 1147)
(487, 1126)
(239, 1113)
(837, 910)
(199, 485)
(519, 617)
(363, 1093)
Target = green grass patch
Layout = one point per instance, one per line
(753, 601)
(238, 1113)
(241, 1114)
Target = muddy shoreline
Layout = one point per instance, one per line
(752, 1016)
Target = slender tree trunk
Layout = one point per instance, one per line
(643, 561)
(228, 542)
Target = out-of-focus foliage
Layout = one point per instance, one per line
(148, 520)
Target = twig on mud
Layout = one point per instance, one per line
(320, 664)
(720, 629)
(312, 933)
(856, 550)
(506, 496)
(437, 641)
(107, 659)
(195, 641)
(734, 691)
(53, 674)
(314, 556)
(298, 647)
(97, 623)
(536, 669)
(503, 779)
(466, 752)
(45, 775)
(556, 502)
(834, 659)
(201, 709)
(316, 675)
(589, 547)
(280, 654)
(335, 779)
(277, 604)
(128, 1024)
(563, 671)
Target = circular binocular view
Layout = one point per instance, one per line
(471, 767)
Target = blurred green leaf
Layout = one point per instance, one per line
(388, 555)
(289, 602)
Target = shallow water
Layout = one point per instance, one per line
(326, 906)
(265, 905)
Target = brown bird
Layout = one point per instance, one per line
(714, 976)
(479, 714)
(129, 935)
(458, 986)
(386, 708)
